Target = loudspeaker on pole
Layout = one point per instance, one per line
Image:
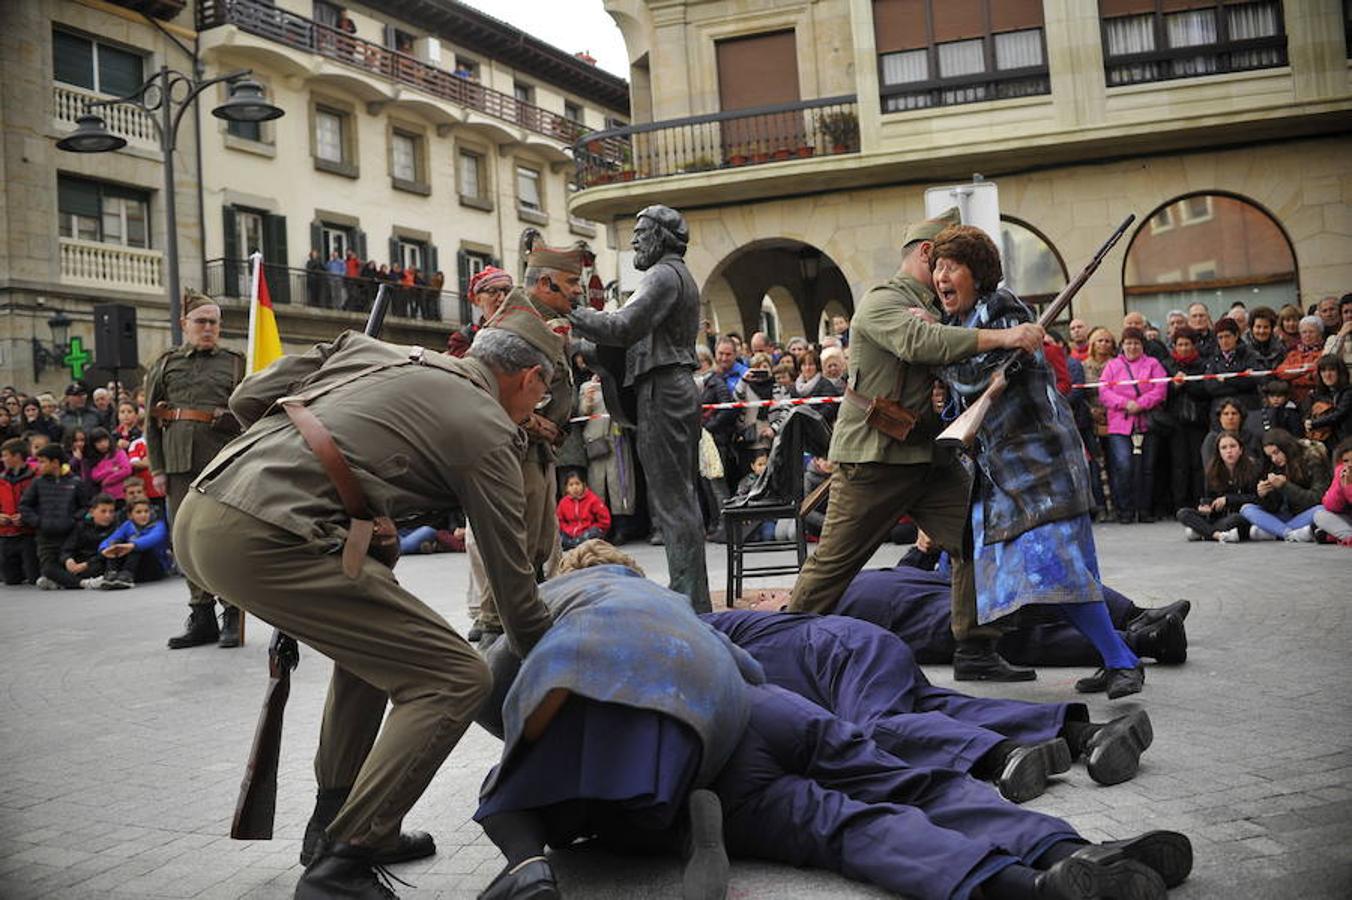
(115, 345)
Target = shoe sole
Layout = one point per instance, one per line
(1027, 675)
(1114, 757)
(707, 868)
(1120, 691)
(1078, 878)
(1026, 776)
(1174, 645)
(1168, 853)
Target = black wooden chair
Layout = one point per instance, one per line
(778, 495)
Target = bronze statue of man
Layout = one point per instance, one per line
(658, 327)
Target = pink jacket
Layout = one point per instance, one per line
(1338, 498)
(1115, 398)
(109, 473)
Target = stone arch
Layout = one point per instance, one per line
(1213, 247)
(799, 278)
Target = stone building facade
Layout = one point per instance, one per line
(1198, 117)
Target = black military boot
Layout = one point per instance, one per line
(229, 626)
(345, 871)
(978, 661)
(199, 629)
(412, 844)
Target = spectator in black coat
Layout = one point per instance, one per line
(53, 505)
(80, 564)
(1186, 409)
(1276, 412)
(1231, 356)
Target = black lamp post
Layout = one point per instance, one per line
(91, 135)
(43, 357)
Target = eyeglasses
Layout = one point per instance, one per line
(205, 322)
(499, 290)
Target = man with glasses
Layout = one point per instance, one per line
(487, 289)
(187, 392)
(552, 287)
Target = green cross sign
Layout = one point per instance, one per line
(78, 358)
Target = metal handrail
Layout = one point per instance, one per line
(725, 116)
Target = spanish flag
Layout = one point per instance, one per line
(265, 342)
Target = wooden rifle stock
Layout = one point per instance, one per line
(961, 432)
(257, 803)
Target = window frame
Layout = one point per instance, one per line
(1222, 52)
(539, 214)
(348, 167)
(991, 78)
(483, 200)
(570, 107)
(420, 184)
(107, 190)
(96, 45)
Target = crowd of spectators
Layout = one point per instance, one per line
(348, 283)
(78, 505)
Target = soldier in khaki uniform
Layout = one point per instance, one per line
(187, 395)
(894, 346)
(553, 283)
(420, 432)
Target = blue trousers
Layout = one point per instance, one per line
(806, 788)
(868, 676)
(914, 605)
(1131, 475)
(412, 542)
(1274, 524)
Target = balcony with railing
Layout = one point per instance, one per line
(718, 141)
(229, 278)
(261, 18)
(111, 266)
(123, 119)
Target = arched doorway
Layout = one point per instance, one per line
(1210, 248)
(797, 279)
(1034, 269)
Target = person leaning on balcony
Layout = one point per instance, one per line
(894, 348)
(314, 279)
(188, 394)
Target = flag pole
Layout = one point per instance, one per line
(251, 348)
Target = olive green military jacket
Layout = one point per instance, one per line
(890, 345)
(562, 392)
(200, 379)
(426, 433)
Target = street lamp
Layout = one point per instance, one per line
(91, 135)
(43, 357)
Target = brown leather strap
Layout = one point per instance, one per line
(165, 414)
(854, 398)
(319, 440)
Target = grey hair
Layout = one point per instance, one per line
(1313, 320)
(1175, 312)
(534, 274)
(704, 352)
(507, 353)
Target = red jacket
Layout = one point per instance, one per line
(576, 516)
(12, 486)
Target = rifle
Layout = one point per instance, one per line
(961, 432)
(257, 803)
(256, 806)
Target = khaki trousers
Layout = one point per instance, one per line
(542, 539)
(387, 646)
(865, 502)
(177, 488)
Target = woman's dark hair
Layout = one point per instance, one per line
(1263, 312)
(970, 246)
(1239, 407)
(92, 452)
(810, 357)
(68, 439)
(1286, 442)
(1331, 361)
(1219, 478)
(1344, 446)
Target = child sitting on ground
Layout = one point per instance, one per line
(582, 514)
(80, 564)
(138, 551)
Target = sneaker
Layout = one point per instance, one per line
(1300, 535)
(46, 584)
(92, 584)
(1191, 534)
(1228, 537)
(1258, 534)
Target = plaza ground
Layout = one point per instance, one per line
(120, 761)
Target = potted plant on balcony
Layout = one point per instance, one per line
(700, 163)
(737, 157)
(805, 151)
(841, 130)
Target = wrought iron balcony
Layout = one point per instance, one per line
(229, 278)
(726, 140)
(260, 17)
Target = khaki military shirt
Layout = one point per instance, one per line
(198, 379)
(562, 391)
(419, 437)
(889, 344)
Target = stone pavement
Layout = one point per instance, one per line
(120, 760)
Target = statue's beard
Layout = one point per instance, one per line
(648, 252)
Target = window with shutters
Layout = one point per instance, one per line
(99, 211)
(471, 175)
(333, 144)
(947, 52)
(470, 263)
(408, 157)
(529, 196)
(95, 65)
(1157, 40)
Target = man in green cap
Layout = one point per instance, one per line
(267, 526)
(187, 389)
(894, 347)
(552, 284)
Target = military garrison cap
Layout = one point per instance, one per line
(529, 325)
(195, 299)
(569, 260)
(929, 229)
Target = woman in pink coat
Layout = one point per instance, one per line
(1334, 516)
(106, 465)
(1131, 446)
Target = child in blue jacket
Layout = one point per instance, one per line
(137, 551)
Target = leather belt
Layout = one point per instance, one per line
(167, 414)
(854, 398)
